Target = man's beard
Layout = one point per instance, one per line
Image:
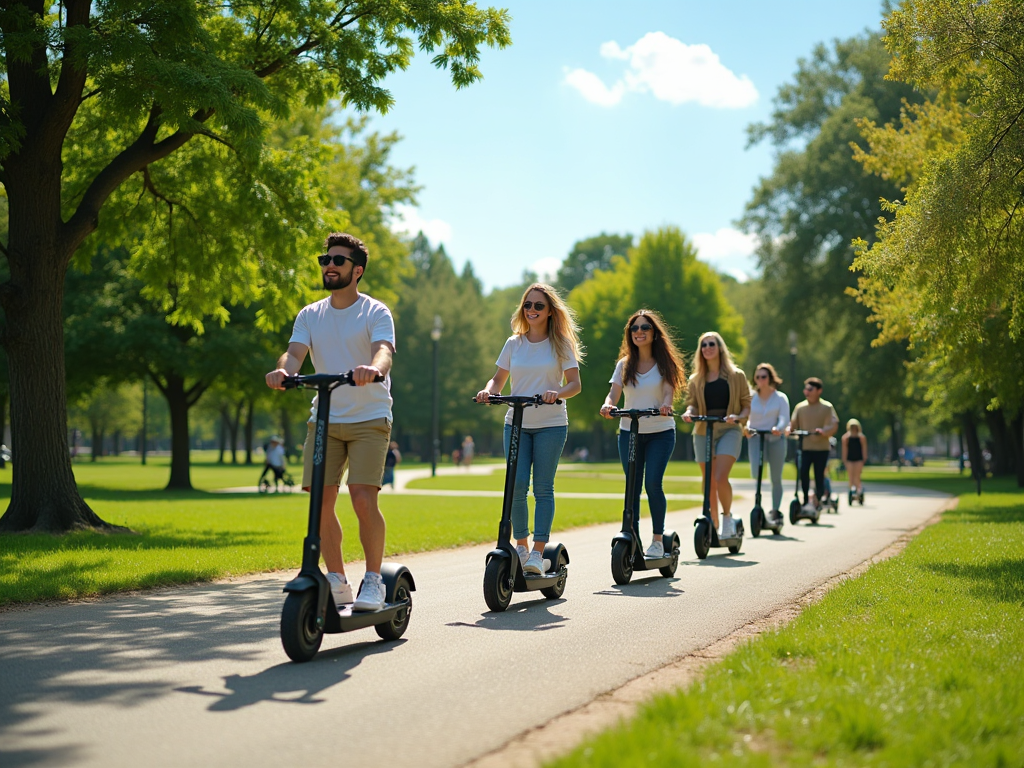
(337, 282)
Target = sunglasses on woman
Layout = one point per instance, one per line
(337, 259)
(641, 327)
(538, 305)
(708, 344)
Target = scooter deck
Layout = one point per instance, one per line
(347, 620)
(534, 582)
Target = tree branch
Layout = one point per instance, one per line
(68, 95)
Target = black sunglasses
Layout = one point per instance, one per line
(538, 305)
(708, 344)
(337, 259)
(641, 327)
(761, 376)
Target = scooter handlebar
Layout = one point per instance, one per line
(799, 433)
(516, 400)
(619, 413)
(708, 418)
(315, 380)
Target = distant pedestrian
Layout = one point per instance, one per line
(468, 451)
(393, 459)
(456, 457)
(273, 460)
(855, 452)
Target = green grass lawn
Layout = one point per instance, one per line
(571, 481)
(183, 537)
(917, 662)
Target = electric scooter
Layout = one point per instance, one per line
(503, 573)
(309, 610)
(855, 495)
(705, 536)
(627, 551)
(758, 519)
(796, 510)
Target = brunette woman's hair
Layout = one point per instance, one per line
(700, 366)
(563, 330)
(666, 355)
(773, 375)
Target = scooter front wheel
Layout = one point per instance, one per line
(497, 583)
(756, 521)
(702, 538)
(301, 633)
(794, 511)
(622, 562)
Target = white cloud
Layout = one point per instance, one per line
(546, 268)
(671, 71)
(408, 221)
(729, 251)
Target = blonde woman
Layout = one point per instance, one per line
(718, 388)
(542, 356)
(855, 451)
(650, 372)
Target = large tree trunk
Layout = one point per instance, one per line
(44, 496)
(222, 437)
(3, 427)
(233, 429)
(249, 416)
(1002, 450)
(970, 435)
(97, 440)
(179, 400)
(1016, 439)
(115, 447)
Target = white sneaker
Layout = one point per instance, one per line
(809, 508)
(341, 590)
(728, 527)
(524, 554)
(534, 563)
(371, 593)
(657, 549)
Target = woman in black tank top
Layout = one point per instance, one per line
(855, 449)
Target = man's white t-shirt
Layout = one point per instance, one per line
(338, 341)
(648, 392)
(275, 455)
(534, 369)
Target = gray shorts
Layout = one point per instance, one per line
(728, 442)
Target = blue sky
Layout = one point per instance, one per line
(602, 116)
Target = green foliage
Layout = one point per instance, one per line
(807, 212)
(589, 255)
(946, 272)
(906, 665)
(662, 273)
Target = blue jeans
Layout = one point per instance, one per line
(652, 454)
(539, 450)
(775, 455)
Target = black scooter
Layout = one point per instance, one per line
(855, 495)
(309, 609)
(705, 537)
(758, 519)
(796, 510)
(627, 551)
(503, 573)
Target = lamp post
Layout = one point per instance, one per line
(142, 440)
(791, 340)
(435, 431)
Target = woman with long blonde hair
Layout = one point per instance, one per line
(718, 388)
(650, 372)
(542, 356)
(855, 452)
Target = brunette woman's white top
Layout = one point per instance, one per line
(766, 414)
(533, 370)
(648, 392)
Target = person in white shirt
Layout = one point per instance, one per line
(348, 331)
(542, 358)
(274, 460)
(769, 409)
(650, 372)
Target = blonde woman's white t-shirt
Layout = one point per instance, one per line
(338, 341)
(533, 370)
(648, 392)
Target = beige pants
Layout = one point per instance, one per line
(363, 446)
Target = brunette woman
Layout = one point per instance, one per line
(769, 409)
(718, 388)
(542, 357)
(650, 372)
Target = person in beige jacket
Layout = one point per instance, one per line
(718, 388)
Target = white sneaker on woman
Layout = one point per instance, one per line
(524, 554)
(657, 549)
(371, 593)
(728, 527)
(341, 590)
(534, 563)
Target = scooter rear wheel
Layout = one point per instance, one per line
(794, 511)
(497, 590)
(300, 634)
(394, 629)
(670, 570)
(562, 569)
(622, 562)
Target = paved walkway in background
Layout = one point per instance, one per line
(197, 676)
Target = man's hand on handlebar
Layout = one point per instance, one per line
(776, 431)
(365, 374)
(483, 396)
(550, 396)
(275, 379)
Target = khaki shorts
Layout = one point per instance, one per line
(364, 446)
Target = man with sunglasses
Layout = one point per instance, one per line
(348, 331)
(818, 417)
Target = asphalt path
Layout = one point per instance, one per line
(197, 675)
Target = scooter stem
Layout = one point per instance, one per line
(311, 545)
